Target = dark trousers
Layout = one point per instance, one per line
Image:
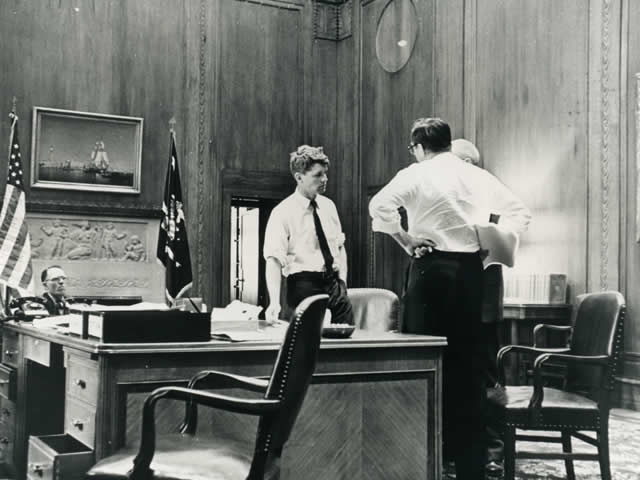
(444, 297)
(494, 337)
(304, 284)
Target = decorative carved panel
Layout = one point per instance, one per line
(102, 256)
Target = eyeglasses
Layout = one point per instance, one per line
(57, 279)
(412, 146)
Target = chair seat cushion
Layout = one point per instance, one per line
(182, 457)
(559, 409)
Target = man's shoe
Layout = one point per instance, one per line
(494, 470)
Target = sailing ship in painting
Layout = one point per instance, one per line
(96, 170)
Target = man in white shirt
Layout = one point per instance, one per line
(305, 243)
(445, 198)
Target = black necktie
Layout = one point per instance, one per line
(322, 239)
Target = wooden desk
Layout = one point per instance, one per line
(372, 411)
(521, 319)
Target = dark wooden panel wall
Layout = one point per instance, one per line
(116, 57)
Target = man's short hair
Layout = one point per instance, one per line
(467, 151)
(434, 134)
(45, 272)
(305, 157)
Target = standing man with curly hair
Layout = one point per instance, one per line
(305, 243)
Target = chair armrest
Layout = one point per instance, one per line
(520, 349)
(214, 379)
(208, 379)
(538, 329)
(538, 382)
(224, 402)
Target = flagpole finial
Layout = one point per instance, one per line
(172, 125)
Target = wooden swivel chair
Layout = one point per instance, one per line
(591, 358)
(374, 309)
(186, 455)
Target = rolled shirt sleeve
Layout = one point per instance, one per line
(383, 207)
(276, 238)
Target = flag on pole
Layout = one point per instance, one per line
(173, 246)
(15, 247)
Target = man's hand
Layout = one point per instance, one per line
(272, 312)
(420, 246)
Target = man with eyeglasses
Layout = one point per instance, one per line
(54, 281)
(445, 199)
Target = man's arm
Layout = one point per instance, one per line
(514, 215)
(274, 278)
(342, 263)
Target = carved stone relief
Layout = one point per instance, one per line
(102, 256)
(82, 239)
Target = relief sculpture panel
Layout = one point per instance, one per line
(82, 239)
(102, 256)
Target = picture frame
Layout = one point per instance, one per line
(73, 150)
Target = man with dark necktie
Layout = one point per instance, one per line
(305, 243)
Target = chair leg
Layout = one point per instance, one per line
(509, 453)
(603, 452)
(566, 448)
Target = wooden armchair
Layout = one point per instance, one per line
(583, 404)
(185, 455)
(374, 309)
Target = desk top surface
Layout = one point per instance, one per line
(359, 339)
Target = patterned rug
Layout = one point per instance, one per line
(624, 446)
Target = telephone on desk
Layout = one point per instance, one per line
(27, 308)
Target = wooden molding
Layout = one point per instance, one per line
(94, 208)
(332, 20)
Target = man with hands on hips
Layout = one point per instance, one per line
(304, 241)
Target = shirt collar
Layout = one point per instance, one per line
(302, 201)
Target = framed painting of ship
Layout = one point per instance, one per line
(73, 150)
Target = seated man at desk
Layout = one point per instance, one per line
(54, 280)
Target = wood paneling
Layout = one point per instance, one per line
(631, 260)
(260, 87)
(116, 57)
(530, 94)
(389, 102)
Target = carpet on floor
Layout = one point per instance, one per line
(624, 447)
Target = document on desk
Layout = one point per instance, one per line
(260, 331)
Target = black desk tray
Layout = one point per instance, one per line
(150, 326)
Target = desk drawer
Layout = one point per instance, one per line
(7, 413)
(6, 449)
(82, 379)
(37, 350)
(53, 457)
(10, 348)
(7, 382)
(80, 421)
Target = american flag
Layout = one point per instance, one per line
(173, 246)
(15, 246)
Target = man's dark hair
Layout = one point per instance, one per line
(43, 275)
(433, 134)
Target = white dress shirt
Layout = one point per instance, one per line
(291, 236)
(445, 198)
